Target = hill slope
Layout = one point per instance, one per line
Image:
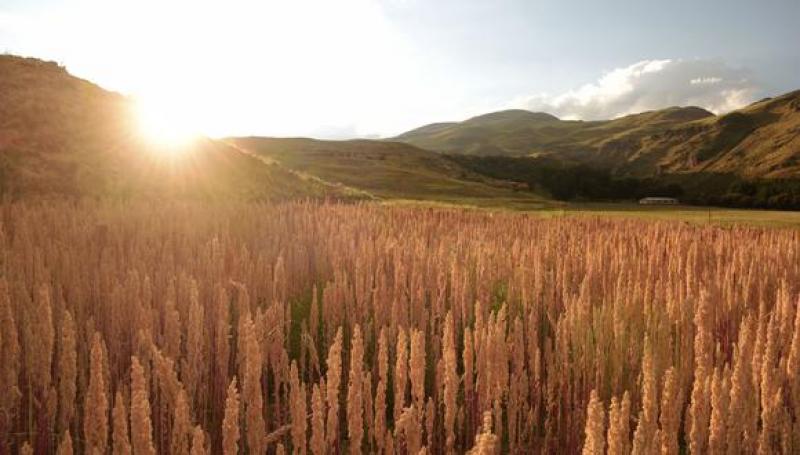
(509, 132)
(760, 141)
(388, 170)
(63, 135)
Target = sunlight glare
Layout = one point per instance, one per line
(167, 128)
(258, 72)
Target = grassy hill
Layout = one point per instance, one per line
(64, 135)
(388, 170)
(524, 133)
(759, 141)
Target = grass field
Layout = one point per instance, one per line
(690, 214)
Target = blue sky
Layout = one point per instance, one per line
(367, 67)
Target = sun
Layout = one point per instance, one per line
(166, 127)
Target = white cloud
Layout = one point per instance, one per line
(706, 80)
(652, 84)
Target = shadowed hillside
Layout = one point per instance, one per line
(63, 135)
(759, 141)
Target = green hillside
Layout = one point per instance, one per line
(759, 141)
(389, 170)
(524, 133)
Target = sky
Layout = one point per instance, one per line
(367, 68)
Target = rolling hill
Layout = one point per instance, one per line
(759, 141)
(389, 170)
(524, 133)
(63, 135)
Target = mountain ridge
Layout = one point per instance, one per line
(759, 140)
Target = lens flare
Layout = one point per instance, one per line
(166, 128)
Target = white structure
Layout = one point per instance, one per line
(658, 201)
